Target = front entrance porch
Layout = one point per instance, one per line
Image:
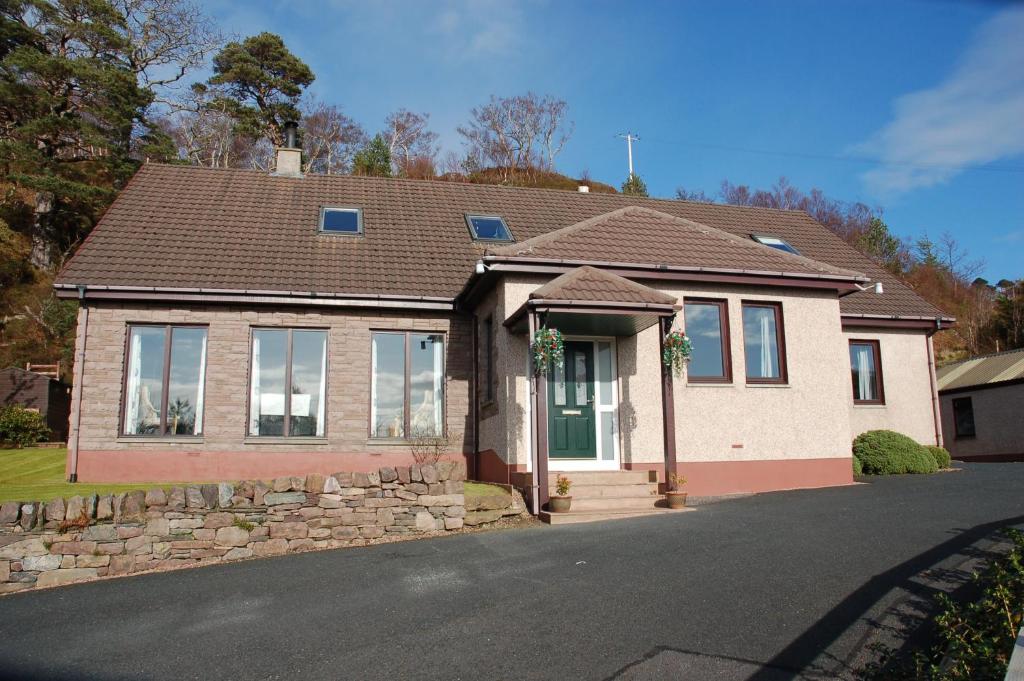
(574, 408)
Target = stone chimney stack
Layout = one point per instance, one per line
(289, 157)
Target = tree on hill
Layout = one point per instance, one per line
(516, 134)
(78, 79)
(263, 82)
(413, 147)
(634, 186)
(374, 159)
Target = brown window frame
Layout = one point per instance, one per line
(406, 415)
(488, 344)
(876, 349)
(287, 426)
(956, 426)
(780, 343)
(168, 331)
(723, 316)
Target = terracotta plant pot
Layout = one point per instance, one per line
(676, 499)
(560, 504)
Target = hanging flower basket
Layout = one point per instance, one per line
(548, 349)
(676, 354)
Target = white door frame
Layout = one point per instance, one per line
(596, 464)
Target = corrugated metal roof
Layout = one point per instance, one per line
(983, 370)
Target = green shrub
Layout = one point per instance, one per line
(20, 426)
(973, 637)
(858, 469)
(940, 455)
(884, 452)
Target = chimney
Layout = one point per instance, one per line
(583, 189)
(289, 157)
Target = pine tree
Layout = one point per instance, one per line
(263, 82)
(374, 159)
(634, 186)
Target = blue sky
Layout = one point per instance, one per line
(916, 107)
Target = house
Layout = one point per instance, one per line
(237, 324)
(982, 400)
(43, 393)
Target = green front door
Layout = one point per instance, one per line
(572, 433)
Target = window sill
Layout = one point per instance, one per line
(277, 440)
(767, 385)
(181, 440)
(869, 405)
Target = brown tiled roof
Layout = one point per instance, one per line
(983, 370)
(179, 226)
(641, 235)
(591, 285)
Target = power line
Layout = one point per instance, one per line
(849, 158)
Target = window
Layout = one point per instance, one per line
(774, 242)
(341, 220)
(963, 417)
(707, 325)
(165, 378)
(764, 344)
(288, 383)
(406, 385)
(488, 228)
(489, 359)
(866, 369)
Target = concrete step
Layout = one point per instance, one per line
(616, 503)
(602, 477)
(647, 490)
(577, 516)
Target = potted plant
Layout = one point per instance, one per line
(675, 495)
(561, 501)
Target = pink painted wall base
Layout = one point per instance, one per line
(716, 478)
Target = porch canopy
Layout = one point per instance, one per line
(590, 301)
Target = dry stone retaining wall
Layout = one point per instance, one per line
(81, 538)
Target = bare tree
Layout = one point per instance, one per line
(516, 134)
(168, 38)
(205, 133)
(410, 142)
(956, 260)
(329, 138)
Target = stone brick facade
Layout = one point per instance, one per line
(82, 538)
(224, 451)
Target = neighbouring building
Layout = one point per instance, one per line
(45, 394)
(236, 324)
(983, 407)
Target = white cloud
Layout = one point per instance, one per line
(974, 116)
(1011, 237)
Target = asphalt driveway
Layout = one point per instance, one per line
(768, 587)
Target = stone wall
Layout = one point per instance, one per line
(82, 538)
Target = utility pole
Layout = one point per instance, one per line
(630, 138)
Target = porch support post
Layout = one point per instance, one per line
(668, 410)
(540, 417)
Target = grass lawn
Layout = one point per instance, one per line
(38, 475)
(482, 489)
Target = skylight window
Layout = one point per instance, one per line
(774, 242)
(341, 220)
(488, 228)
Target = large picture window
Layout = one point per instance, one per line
(764, 345)
(707, 324)
(165, 377)
(866, 371)
(288, 383)
(406, 385)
